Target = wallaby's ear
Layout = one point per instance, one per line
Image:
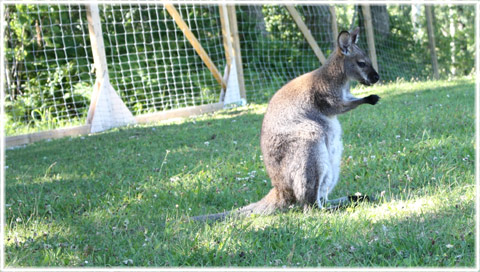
(354, 34)
(344, 42)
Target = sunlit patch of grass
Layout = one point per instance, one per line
(120, 198)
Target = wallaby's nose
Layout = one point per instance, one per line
(374, 78)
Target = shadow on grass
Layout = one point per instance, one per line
(111, 193)
(432, 239)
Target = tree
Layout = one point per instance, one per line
(380, 20)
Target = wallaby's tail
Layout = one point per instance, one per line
(267, 205)
(211, 217)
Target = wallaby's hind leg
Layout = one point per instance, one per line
(302, 172)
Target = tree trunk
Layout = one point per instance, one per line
(380, 20)
(452, 28)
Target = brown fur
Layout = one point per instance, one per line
(296, 121)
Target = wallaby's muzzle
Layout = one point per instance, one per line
(373, 77)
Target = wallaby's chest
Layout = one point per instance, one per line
(333, 137)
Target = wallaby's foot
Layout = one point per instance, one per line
(361, 198)
(321, 202)
(372, 99)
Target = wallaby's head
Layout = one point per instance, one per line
(358, 65)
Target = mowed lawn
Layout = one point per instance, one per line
(122, 197)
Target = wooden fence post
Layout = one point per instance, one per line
(431, 41)
(227, 38)
(98, 52)
(107, 109)
(232, 93)
(306, 33)
(232, 18)
(334, 24)
(370, 36)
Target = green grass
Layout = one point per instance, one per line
(13, 128)
(120, 198)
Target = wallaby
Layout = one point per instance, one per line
(301, 136)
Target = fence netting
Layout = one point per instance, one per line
(152, 65)
(49, 71)
(48, 66)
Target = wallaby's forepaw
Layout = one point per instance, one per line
(372, 99)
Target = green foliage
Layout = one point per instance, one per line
(153, 68)
(399, 54)
(454, 32)
(45, 84)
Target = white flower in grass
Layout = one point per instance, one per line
(128, 261)
(449, 246)
(206, 143)
(385, 229)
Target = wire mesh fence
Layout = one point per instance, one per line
(274, 51)
(48, 66)
(153, 67)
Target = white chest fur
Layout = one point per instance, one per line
(329, 158)
(334, 139)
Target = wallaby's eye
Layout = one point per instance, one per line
(361, 64)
